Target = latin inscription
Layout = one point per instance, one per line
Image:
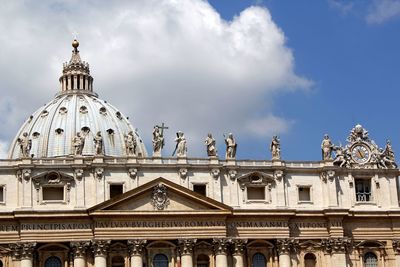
(163, 224)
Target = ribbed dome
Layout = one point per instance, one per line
(50, 131)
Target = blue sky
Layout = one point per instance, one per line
(353, 63)
(254, 68)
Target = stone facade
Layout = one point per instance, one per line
(132, 210)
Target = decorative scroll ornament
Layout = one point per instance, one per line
(132, 172)
(98, 172)
(285, 245)
(183, 173)
(325, 175)
(27, 250)
(278, 175)
(159, 197)
(24, 174)
(232, 174)
(215, 173)
(363, 152)
(79, 174)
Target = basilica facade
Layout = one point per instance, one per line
(80, 189)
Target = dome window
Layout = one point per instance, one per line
(59, 131)
(118, 114)
(30, 118)
(85, 129)
(44, 113)
(36, 135)
(63, 110)
(110, 131)
(103, 111)
(83, 110)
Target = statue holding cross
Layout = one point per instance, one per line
(158, 139)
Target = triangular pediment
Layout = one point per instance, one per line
(158, 196)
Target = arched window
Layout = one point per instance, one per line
(258, 260)
(53, 262)
(370, 260)
(310, 260)
(160, 260)
(203, 260)
(117, 261)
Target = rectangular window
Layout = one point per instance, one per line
(2, 194)
(256, 193)
(200, 189)
(304, 194)
(363, 190)
(116, 189)
(53, 193)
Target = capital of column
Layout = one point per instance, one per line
(79, 249)
(186, 246)
(239, 246)
(285, 245)
(27, 250)
(336, 245)
(136, 246)
(15, 251)
(100, 247)
(221, 245)
(396, 246)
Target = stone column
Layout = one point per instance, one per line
(396, 249)
(283, 246)
(136, 247)
(100, 249)
(186, 249)
(79, 253)
(337, 248)
(221, 251)
(239, 248)
(27, 254)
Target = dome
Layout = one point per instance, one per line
(76, 111)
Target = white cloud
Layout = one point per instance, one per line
(343, 6)
(175, 61)
(381, 11)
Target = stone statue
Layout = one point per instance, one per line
(231, 146)
(341, 159)
(25, 145)
(275, 148)
(210, 144)
(130, 144)
(78, 142)
(181, 147)
(386, 157)
(358, 133)
(327, 148)
(98, 143)
(158, 140)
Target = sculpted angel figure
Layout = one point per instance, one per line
(231, 146)
(78, 142)
(210, 144)
(25, 145)
(98, 143)
(130, 144)
(275, 147)
(181, 147)
(327, 148)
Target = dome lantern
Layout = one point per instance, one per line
(76, 74)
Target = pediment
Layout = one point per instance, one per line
(160, 195)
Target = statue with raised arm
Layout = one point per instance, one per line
(130, 144)
(78, 143)
(210, 144)
(25, 145)
(158, 140)
(231, 146)
(181, 147)
(327, 148)
(98, 143)
(275, 148)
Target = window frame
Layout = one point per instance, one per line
(4, 188)
(310, 188)
(115, 183)
(43, 201)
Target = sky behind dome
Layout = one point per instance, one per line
(253, 68)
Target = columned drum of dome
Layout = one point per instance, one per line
(76, 109)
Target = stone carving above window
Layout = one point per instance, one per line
(255, 178)
(59, 182)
